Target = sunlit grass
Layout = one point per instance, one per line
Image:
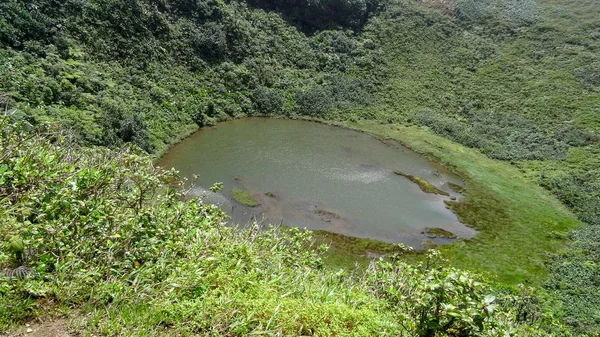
(517, 219)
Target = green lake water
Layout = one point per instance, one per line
(311, 168)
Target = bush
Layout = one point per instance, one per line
(473, 50)
(588, 74)
(312, 16)
(267, 101)
(124, 124)
(449, 302)
(475, 10)
(314, 102)
(521, 12)
(498, 136)
(575, 273)
(575, 136)
(340, 92)
(23, 21)
(209, 40)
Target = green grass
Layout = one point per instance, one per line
(423, 184)
(245, 198)
(160, 264)
(515, 217)
(433, 232)
(456, 188)
(348, 252)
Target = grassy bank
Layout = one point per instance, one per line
(520, 222)
(423, 184)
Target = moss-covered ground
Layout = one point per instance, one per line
(244, 197)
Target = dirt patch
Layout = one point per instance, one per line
(55, 328)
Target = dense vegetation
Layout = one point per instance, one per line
(517, 80)
(150, 73)
(523, 94)
(108, 232)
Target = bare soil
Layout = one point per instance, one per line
(54, 328)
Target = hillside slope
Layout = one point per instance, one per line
(516, 80)
(108, 236)
(522, 91)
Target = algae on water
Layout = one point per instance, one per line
(244, 198)
(326, 214)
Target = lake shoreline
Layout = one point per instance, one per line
(498, 203)
(329, 163)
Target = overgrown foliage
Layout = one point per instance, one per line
(517, 80)
(110, 234)
(504, 137)
(575, 274)
(322, 14)
(148, 74)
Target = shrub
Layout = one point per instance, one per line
(340, 92)
(312, 16)
(588, 74)
(475, 10)
(521, 12)
(441, 301)
(497, 135)
(314, 102)
(267, 101)
(22, 21)
(209, 40)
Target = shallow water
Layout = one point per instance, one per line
(313, 167)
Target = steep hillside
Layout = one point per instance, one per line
(522, 90)
(518, 81)
(151, 73)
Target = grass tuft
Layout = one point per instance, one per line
(433, 232)
(456, 187)
(244, 198)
